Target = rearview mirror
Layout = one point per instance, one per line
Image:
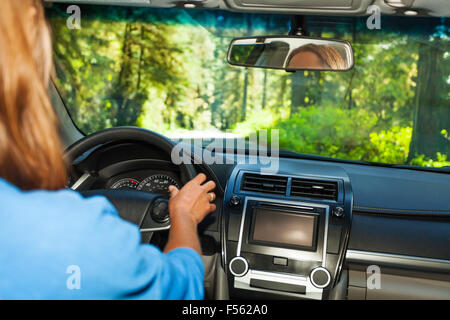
(291, 53)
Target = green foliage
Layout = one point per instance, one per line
(259, 119)
(392, 145)
(440, 161)
(328, 131)
(339, 133)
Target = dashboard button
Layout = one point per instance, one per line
(279, 286)
(320, 277)
(280, 261)
(238, 266)
(160, 211)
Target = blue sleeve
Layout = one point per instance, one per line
(123, 268)
(178, 275)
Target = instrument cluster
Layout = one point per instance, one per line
(157, 183)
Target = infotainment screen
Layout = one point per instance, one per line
(283, 227)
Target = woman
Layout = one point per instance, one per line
(56, 244)
(312, 56)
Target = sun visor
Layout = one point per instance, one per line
(338, 7)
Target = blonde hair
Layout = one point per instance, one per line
(31, 154)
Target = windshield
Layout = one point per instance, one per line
(166, 70)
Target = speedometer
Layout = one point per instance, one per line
(158, 183)
(125, 184)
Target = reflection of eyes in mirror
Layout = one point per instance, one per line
(313, 56)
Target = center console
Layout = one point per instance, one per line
(284, 235)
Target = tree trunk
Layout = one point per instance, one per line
(264, 97)
(244, 98)
(141, 55)
(283, 84)
(298, 91)
(125, 50)
(246, 71)
(432, 112)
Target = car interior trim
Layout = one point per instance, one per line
(400, 211)
(80, 181)
(396, 260)
(155, 229)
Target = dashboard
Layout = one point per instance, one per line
(310, 231)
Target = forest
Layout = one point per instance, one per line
(166, 70)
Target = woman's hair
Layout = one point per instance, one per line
(329, 56)
(31, 155)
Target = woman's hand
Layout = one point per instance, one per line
(193, 201)
(187, 208)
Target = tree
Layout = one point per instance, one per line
(432, 108)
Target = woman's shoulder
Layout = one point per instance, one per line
(66, 208)
(13, 196)
(63, 216)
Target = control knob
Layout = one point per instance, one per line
(320, 277)
(238, 266)
(235, 201)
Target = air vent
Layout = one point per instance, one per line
(317, 189)
(264, 184)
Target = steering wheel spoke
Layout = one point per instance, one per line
(147, 210)
(85, 180)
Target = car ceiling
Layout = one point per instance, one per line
(438, 8)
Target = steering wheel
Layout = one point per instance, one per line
(147, 210)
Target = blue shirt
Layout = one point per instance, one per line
(59, 245)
